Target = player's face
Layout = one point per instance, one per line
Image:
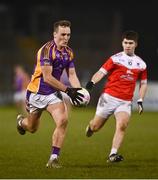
(62, 36)
(129, 46)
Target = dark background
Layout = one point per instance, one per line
(96, 33)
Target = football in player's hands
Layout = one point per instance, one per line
(85, 99)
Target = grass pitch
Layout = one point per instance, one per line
(23, 157)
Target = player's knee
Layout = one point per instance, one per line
(122, 126)
(63, 122)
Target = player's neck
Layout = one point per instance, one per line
(130, 54)
(59, 48)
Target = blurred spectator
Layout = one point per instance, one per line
(21, 80)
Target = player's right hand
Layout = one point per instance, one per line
(140, 106)
(75, 96)
(90, 85)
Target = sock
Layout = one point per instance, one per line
(55, 151)
(113, 151)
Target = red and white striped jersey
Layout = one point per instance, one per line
(123, 72)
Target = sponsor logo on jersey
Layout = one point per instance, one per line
(130, 63)
(129, 71)
(138, 64)
(46, 62)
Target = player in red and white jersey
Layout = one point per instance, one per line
(123, 70)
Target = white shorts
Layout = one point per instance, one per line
(107, 105)
(19, 96)
(65, 97)
(40, 102)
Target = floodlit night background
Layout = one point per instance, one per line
(96, 34)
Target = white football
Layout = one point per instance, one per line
(86, 97)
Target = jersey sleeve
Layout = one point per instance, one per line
(143, 76)
(107, 66)
(71, 64)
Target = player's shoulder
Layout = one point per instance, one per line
(68, 49)
(49, 44)
(46, 46)
(117, 56)
(141, 61)
(70, 52)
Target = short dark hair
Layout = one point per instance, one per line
(64, 23)
(131, 35)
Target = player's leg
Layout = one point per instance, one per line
(67, 102)
(60, 116)
(34, 106)
(122, 121)
(94, 125)
(104, 109)
(29, 123)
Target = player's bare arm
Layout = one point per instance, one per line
(72, 92)
(48, 78)
(142, 90)
(97, 77)
(73, 78)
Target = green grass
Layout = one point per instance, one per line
(82, 157)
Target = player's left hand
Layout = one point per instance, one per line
(90, 85)
(140, 106)
(75, 96)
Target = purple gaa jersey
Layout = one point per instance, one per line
(59, 60)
